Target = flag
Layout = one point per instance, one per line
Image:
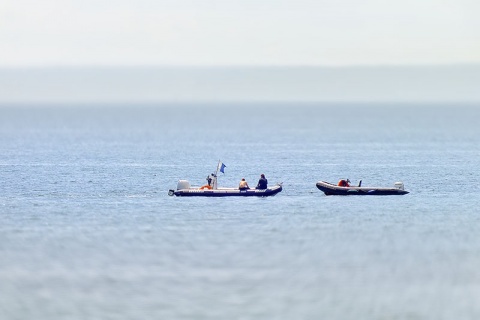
(222, 168)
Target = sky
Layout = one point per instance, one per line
(86, 51)
(238, 32)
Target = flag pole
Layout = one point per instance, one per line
(218, 165)
(216, 174)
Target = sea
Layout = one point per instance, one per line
(88, 230)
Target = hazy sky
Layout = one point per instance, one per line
(238, 32)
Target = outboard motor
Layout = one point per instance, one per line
(183, 184)
(399, 186)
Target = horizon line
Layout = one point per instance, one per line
(196, 103)
(238, 66)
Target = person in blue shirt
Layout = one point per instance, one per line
(262, 183)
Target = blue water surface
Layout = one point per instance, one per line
(88, 231)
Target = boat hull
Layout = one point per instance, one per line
(334, 190)
(197, 192)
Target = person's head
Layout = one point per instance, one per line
(262, 176)
(243, 179)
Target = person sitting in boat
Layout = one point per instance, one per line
(344, 183)
(262, 183)
(243, 185)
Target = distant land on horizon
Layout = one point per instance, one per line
(93, 85)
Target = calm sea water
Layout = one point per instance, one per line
(87, 230)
